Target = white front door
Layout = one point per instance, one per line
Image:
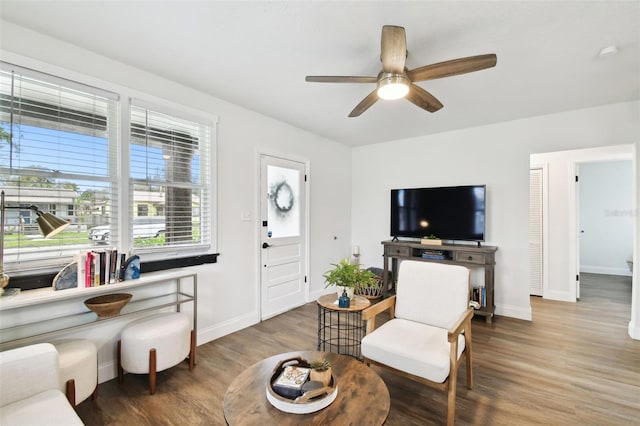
(283, 235)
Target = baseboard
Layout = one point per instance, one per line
(214, 332)
(107, 371)
(624, 272)
(514, 312)
(561, 296)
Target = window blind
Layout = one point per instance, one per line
(170, 172)
(58, 151)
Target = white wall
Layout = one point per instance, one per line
(228, 290)
(606, 217)
(498, 156)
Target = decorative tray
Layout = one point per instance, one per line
(290, 390)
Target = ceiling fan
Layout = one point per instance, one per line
(395, 81)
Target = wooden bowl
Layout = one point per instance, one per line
(108, 305)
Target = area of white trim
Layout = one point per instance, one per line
(514, 312)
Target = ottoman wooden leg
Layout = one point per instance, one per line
(71, 392)
(152, 371)
(192, 351)
(119, 356)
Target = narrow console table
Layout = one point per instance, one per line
(465, 255)
(29, 316)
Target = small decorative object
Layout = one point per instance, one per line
(321, 371)
(309, 397)
(372, 292)
(67, 277)
(10, 292)
(108, 305)
(344, 301)
(132, 268)
(431, 240)
(348, 276)
(290, 382)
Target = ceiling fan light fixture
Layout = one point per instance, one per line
(394, 86)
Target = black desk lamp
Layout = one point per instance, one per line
(48, 223)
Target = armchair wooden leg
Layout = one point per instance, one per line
(152, 371)
(451, 401)
(119, 358)
(71, 392)
(469, 371)
(468, 352)
(192, 351)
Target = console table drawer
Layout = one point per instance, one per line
(398, 251)
(469, 257)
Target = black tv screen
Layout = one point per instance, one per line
(448, 213)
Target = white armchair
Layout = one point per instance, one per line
(30, 388)
(429, 329)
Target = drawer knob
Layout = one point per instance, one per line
(470, 258)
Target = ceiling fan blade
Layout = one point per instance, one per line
(393, 49)
(453, 67)
(365, 104)
(425, 100)
(340, 79)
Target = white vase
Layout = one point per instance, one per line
(341, 289)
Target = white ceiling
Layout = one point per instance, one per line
(257, 54)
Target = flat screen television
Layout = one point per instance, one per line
(448, 213)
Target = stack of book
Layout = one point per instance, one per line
(479, 294)
(100, 267)
(433, 254)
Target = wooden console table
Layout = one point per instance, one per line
(465, 255)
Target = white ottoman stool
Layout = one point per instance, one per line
(78, 369)
(155, 343)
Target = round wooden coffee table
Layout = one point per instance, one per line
(362, 398)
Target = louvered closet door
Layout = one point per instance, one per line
(535, 232)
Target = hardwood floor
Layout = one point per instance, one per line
(574, 364)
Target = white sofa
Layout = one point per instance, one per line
(30, 388)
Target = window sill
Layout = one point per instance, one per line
(44, 281)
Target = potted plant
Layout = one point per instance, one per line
(321, 371)
(348, 276)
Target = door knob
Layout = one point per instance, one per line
(265, 245)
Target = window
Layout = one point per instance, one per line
(57, 147)
(61, 148)
(170, 175)
(143, 210)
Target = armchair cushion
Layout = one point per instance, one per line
(50, 407)
(394, 344)
(27, 371)
(29, 388)
(432, 293)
